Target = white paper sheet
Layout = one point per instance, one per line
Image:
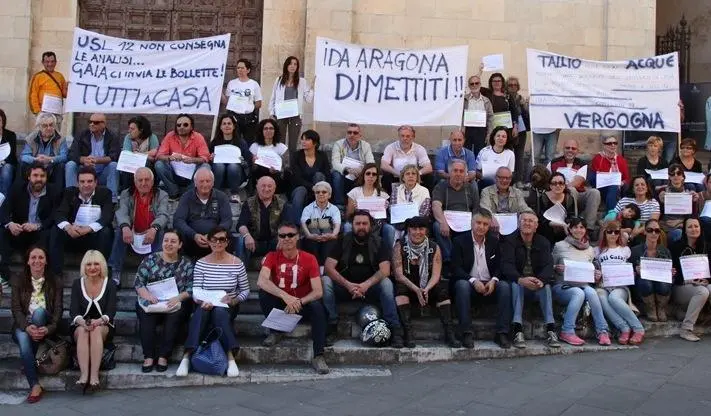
(578, 271)
(160, 307)
(503, 119)
(493, 62)
(571, 173)
(474, 118)
(182, 169)
(604, 179)
(694, 177)
(695, 266)
(138, 246)
(617, 274)
(227, 153)
(706, 212)
(660, 174)
(286, 109)
(658, 270)
(349, 162)
(459, 220)
(281, 321)
(268, 159)
(677, 203)
(130, 161)
(4, 151)
(399, 213)
(556, 214)
(87, 214)
(52, 104)
(210, 296)
(375, 205)
(508, 223)
(238, 103)
(164, 289)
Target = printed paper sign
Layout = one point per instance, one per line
(474, 118)
(130, 162)
(695, 266)
(617, 274)
(658, 270)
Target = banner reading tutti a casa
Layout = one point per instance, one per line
(370, 85)
(572, 93)
(115, 75)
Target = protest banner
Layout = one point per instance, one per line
(115, 75)
(573, 93)
(371, 85)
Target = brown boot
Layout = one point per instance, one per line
(662, 302)
(651, 308)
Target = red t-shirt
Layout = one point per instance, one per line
(143, 217)
(293, 275)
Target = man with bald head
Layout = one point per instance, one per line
(142, 214)
(99, 148)
(259, 221)
(502, 198)
(200, 210)
(455, 150)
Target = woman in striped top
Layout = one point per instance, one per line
(640, 194)
(219, 270)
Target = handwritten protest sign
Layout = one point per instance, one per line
(373, 85)
(572, 93)
(117, 75)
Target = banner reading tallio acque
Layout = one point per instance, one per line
(115, 75)
(371, 85)
(572, 93)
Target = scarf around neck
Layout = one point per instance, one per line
(418, 251)
(583, 244)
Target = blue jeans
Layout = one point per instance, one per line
(574, 297)
(382, 292)
(387, 233)
(445, 244)
(299, 196)
(28, 347)
(108, 177)
(648, 287)
(673, 235)
(609, 195)
(544, 146)
(518, 293)
(171, 181)
(7, 175)
(118, 251)
(614, 304)
(214, 318)
(341, 186)
(463, 295)
(313, 311)
(234, 174)
(261, 248)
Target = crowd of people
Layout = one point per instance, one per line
(326, 228)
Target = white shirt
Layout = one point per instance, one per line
(248, 93)
(489, 156)
(280, 148)
(480, 270)
(398, 158)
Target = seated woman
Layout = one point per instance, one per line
(230, 174)
(655, 295)
(219, 270)
(640, 194)
(690, 294)
(557, 194)
(93, 307)
(268, 140)
(368, 186)
(687, 158)
(608, 161)
(161, 267)
(653, 160)
(670, 222)
(321, 223)
(36, 310)
(409, 191)
(498, 153)
(576, 247)
(308, 166)
(616, 301)
(139, 139)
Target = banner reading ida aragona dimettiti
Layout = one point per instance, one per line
(371, 85)
(573, 93)
(115, 75)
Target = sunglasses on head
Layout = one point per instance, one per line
(287, 235)
(653, 230)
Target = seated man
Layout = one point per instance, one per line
(258, 221)
(502, 198)
(354, 147)
(99, 148)
(405, 152)
(290, 280)
(199, 211)
(452, 195)
(587, 197)
(475, 272)
(47, 147)
(83, 220)
(183, 145)
(417, 267)
(142, 211)
(455, 150)
(358, 268)
(527, 263)
(27, 216)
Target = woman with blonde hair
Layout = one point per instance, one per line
(653, 160)
(409, 191)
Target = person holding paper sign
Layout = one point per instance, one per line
(654, 294)
(576, 247)
(690, 294)
(47, 81)
(409, 191)
(8, 158)
(140, 139)
(308, 166)
(368, 186)
(97, 147)
(405, 152)
(286, 104)
(616, 301)
(608, 160)
(475, 101)
(653, 161)
(290, 280)
(268, 140)
(553, 208)
(492, 157)
(46, 146)
(671, 222)
(243, 97)
(321, 223)
(218, 271)
(83, 220)
(687, 158)
(165, 266)
(183, 145)
(354, 148)
(502, 198)
(231, 174)
(503, 103)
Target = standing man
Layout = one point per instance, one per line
(47, 81)
(405, 152)
(99, 148)
(477, 137)
(243, 98)
(352, 146)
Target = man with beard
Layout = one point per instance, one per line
(358, 268)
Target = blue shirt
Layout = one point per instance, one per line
(34, 203)
(446, 154)
(97, 150)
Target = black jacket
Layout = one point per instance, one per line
(681, 248)
(243, 147)
(17, 206)
(298, 168)
(463, 256)
(82, 146)
(10, 138)
(69, 206)
(513, 258)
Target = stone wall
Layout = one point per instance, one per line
(698, 16)
(15, 35)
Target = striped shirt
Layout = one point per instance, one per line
(232, 278)
(647, 208)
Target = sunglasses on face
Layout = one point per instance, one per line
(287, 235)
(610, 143)
(371, 174)
(503, 178)
(472, 84)
(653, 230)
(218, 240)
(182, 125)
(351, 132)
(610, 232)
(677, 173)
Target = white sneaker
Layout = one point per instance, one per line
(183, 368)
(232, 369)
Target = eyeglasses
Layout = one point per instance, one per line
(96, 122)
(615, 232)
(371, 173)
(503, 178)
(472, 84)
(677, 173)
(287, 235)
(351, 132)
(218, 240)
(182, 124)
(570, 148)
(653, 230)
(557, 183)
(610, 143)
(321, 192)
(268, 128)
